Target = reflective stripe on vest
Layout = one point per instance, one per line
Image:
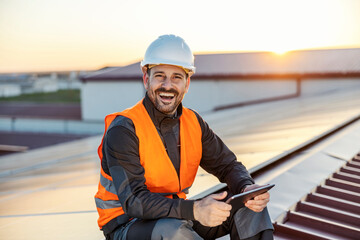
(160, 174)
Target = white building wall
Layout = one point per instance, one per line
(9, 90)
(69, 84)
(204, 96)
(321, 86)
(45, 84)
(101, 98)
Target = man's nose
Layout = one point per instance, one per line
(166, 83)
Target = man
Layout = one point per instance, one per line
(150, 154)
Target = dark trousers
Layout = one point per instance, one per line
(243, 224)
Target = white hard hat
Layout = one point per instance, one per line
(171, 50)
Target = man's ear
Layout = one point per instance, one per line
(145, 80)
(145, 76)
(187, 85)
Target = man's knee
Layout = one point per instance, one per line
(249, 223)
(174, 229)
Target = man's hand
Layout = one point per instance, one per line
(210, 212)
(259, 202)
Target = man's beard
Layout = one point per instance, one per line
(164, 107)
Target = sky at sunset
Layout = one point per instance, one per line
(54, 35)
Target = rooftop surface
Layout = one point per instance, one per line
(35, 140)
(41, 110)
(332, 210)
(48, 193)
(309, 62)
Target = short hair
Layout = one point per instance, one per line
(148, 72)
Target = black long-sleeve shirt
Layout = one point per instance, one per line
(121, 161)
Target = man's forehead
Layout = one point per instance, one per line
(168, 68)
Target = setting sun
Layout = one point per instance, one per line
(280, 51)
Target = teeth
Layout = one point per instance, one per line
(167, 94)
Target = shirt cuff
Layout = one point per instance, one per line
(187, 209)
(244, 184)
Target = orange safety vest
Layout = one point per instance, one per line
(160, 174)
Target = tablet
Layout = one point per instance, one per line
(237, 201)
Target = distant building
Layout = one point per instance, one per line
(37, 82)
(43, 83)
(228, 80)
(9, 90)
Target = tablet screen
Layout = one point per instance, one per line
(238, 201)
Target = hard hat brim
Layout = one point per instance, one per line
(187, 68)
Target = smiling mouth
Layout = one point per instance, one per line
(166, 97)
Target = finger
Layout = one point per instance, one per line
(254, 204)
(255, 208)
(222, 206)
(258, 207)
(262, 196)
(219, 196)
(215, 223)
(257, 202)
(250, 187)
(216, 213)
(214, 220)
(219, 213)
(222, 214)
(220, 218)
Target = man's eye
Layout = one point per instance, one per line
(159, 75)
(178, 77)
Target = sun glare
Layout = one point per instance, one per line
(281, 48)
(280, 51)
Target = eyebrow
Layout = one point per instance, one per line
(158, 72)
(177, 74)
